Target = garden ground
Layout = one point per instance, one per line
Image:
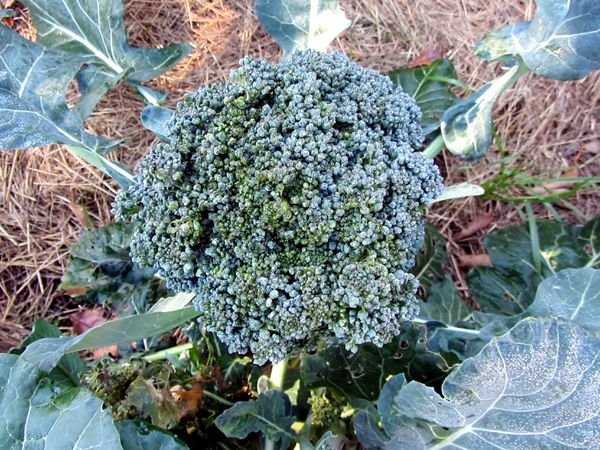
(548, 127)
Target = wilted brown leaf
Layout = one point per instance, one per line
(477, 224)
(557, 187)
(165, 406)
(86, 319)
(426, 57)
(474, 260)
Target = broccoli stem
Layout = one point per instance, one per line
(277, 376)
(434, 147)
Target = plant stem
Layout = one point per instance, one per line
(277, 376)
(434, 147)
(217, 398)
(164, 354)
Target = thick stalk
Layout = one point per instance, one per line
(277, 377)
(434, 147)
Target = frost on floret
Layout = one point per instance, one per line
(291, 199)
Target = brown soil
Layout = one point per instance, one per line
(546, 125)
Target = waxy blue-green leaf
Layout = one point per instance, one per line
(302, 24)
(429, 86)
(33, 110)
(362, 374)
(270, 414)
(93, 83)
(467, 127)
(156, 119)
(45, 353)
(6, 13)
(444, 304)
(431, 259)
(534, 387)
(573, 294)
(43, 412)
(94, 32)
(561, 42)
(140, 435)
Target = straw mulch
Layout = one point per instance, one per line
(46, 193)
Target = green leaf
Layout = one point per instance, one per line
(561, 41)
(431, 259)
(101, 271)
(93, 83)
(33, 111)
(510, 285)
(573, 294)
(429, 86)
(46, 353)
(362, 374)
(444, 304)
(71, 365)
(140, 435)
(6, 13)
(457, 191)
(590, 240)
(299, 24)
(37, 411)
(94, 32)
(467, 127)
(502, 292)
(270, 414)
(534, 387)
(156, 119)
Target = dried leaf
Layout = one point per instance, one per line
(427, 56)
(557, 187)
(86, 319)
(474, 260)
(477, 224)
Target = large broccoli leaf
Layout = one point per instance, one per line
(561, 42)
(45, 412)
(33, 111)
(94, 33)
(573, 294)
(535, 386)
(300, 25)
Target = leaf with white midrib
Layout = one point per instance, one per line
(534, 387)
(33, 109)
(301, 24)
(94, 32)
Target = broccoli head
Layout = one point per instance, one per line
(290, 199)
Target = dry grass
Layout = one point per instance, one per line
(547, 125)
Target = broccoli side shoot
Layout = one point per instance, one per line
(291, 200)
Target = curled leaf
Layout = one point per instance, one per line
(467, 127)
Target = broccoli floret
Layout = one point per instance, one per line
(291, 200)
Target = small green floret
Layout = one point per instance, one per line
(299, 205)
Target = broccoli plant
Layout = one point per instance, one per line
(291, 200)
